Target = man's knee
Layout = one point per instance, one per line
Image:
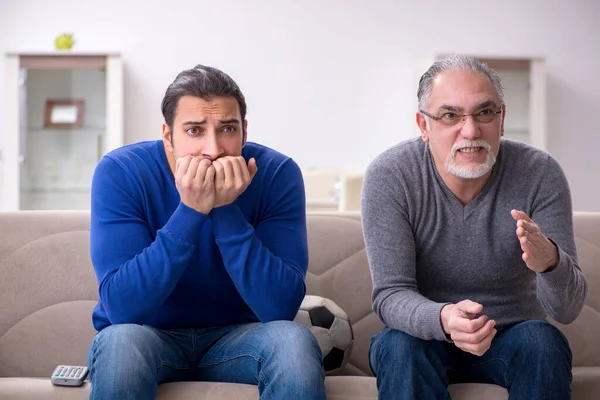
(293, 356)
(123, 343)
(542, 341)
(391, 347)
(123, 362)
(291, 339)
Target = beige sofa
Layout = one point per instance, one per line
(48, 290)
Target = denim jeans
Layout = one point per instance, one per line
(532, 360)
(283, 358)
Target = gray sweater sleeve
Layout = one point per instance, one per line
(392, 258)
(561, 291)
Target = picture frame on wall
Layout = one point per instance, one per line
(63, 113)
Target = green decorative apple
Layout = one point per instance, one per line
(64, 41)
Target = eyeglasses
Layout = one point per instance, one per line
(484, 116)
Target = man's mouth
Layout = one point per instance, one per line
(470, 149)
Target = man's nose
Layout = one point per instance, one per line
(211, 147)
(469, 129)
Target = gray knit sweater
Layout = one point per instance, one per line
(426, 249)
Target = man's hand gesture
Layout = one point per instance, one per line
(195, 181)
(232, 177)
(470, 334)
(539, 253)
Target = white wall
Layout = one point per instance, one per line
(333, 82)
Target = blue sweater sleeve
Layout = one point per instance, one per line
(136, 272)
(268, 264)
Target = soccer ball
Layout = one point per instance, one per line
(332, 329)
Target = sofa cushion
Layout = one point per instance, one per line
(586, 384)
(44, 260)
(39, 388)
(46, 277)
(584, 332)
(339, 270)
(36, 389)
(338, 388)
(206, 391)
(351, 388)
(57, 334)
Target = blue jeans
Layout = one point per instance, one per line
(532, 360)
(283, 358)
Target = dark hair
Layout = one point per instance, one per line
(204, 82)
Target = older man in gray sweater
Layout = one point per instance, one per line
(470, 242)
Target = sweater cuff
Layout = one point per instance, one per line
(186, 223)
(560, 274)
(227, 221)
(433, 321)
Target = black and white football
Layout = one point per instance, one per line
(332, 329)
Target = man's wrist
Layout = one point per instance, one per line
(444, 318)
(555, 260)
(204, 210)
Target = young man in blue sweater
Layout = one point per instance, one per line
(199, 245)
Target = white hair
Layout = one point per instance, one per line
(455, 62)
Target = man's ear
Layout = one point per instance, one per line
(245, 133)
(167, 138)
(423, 127)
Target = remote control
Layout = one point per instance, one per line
(69, 375)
